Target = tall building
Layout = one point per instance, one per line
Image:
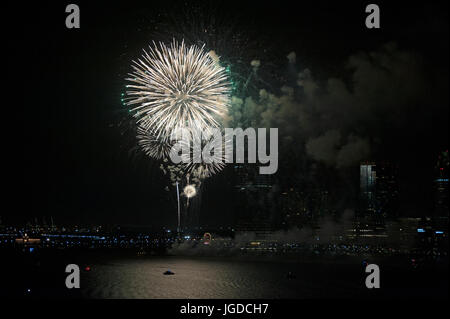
(254, 202)
(294, 208)
(387, 189)
(379, 191)
(441, 208)
(300, 208)
(367, 182)
(249, 179)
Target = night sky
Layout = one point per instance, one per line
(72, 159)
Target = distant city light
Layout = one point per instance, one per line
(420, 230)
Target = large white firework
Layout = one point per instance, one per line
(177, 86)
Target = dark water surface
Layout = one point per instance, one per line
(112, 275)
(213, 277)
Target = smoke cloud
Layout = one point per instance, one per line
(340, 121)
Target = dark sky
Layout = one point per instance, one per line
(70, 159)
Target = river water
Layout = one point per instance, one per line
(241, 278)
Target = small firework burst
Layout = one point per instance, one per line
(152, 145)
(189, 191)
(205, 156)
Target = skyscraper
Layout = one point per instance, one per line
(441, 208)
(387, 189)
(379, 190)
(254, 202)
(367, 182)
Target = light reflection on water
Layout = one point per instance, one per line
(214, 278)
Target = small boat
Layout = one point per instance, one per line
(168, 272)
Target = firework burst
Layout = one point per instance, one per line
(152, 145)
(189, 191)
(216, 147)
(177, 86)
